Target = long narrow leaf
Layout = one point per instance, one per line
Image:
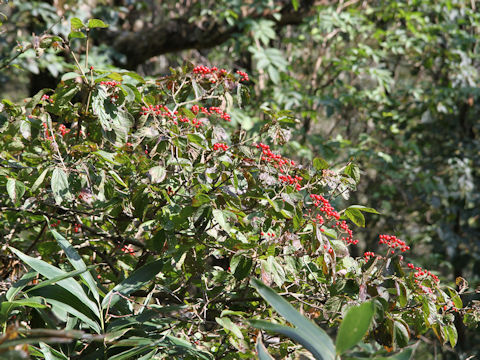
(50, 271)
(262, 350)
(65, 300)
(306, 333)
(319, 351)
(20, 284)
(77, 262)
(135, 281)
(55, 279)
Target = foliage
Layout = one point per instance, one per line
(151, 211)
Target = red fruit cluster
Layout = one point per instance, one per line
(324, 206)
(344, 226)
(46, 98)
(278, 161)
(213, 110)
(291, 180)
(330, 249)
(47, 132)
(219, 146)
(77, 228)
(155, 110)
(271, 234)
(244, 75)
(63, 130)
(165, 112)
(55, 224)
(393, 243)
(368, 254)
(318, 219)
(422, 274)
(195, 109)
(212, 74)
(111, 84)
(128, 249)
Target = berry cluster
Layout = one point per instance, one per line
(161, 110)
(280, 163)
(128, 250)
(368, 254)
(269, 156)
(291, 180)
(330, 249)
(324, 206)
(112, 85)
(422, 274)
(393, 243)
(244, 75)
(165, 112)
(63, 130)
(216, 110)
(55, 224)
(46, 98)
(212, 74)
(270, 234)
(219, 146)
(47, 132)
(344, 226)
(213, 110)
(77, 228)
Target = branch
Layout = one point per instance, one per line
(180, 34)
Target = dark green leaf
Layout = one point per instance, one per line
(354, 326)
(356, 216)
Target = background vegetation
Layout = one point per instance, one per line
(384, 94)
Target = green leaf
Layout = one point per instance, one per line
(354, 326)
(39, 180)
(230, 326)
(157, 174)
(135, 281)
(107, 156)
(25, 129)
(240, 266)
(20, 284)
(50, 271)
(452, 334)
(60, 186)
(15, 189)
(63, 298)
(117, 178)
(7, 306)
(295, 4)
(76, 35)
(221, 219)
(320, 164)
(262, 351)
(356, 216)
(197, 139)
(77, 262)
(272, 267)
(76, 24)
(353, 171)
(364, 209)
(69, 76)
(401, 334)
(96, 23)
(308, 334)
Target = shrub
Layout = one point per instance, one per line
(152, 209)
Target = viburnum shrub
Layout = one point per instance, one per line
(142, 210)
